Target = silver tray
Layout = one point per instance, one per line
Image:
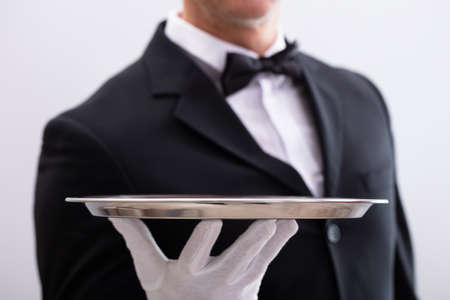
(225, 207)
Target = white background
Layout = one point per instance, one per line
(54, 54)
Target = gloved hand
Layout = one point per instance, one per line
(235, 274)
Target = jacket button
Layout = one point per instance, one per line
(334, 233)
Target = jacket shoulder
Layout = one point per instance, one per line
(115, 97)
(341, 77)
(349, 85)
(114, 107)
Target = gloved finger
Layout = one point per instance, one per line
(235, 260)
(285, 230)
(196, 252)
(149, 260)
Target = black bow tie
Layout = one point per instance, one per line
(240, 69)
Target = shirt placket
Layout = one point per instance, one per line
(266, 88)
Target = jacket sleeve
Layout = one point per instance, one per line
(404, 285)
(80, 257)
(404, 277)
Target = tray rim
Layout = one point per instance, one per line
(219, 199)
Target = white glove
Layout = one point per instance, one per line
(235, 274)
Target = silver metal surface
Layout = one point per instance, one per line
(225, 207)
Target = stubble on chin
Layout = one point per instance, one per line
(228, 17)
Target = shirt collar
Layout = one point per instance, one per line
(199, 43)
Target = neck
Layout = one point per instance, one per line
(257, 36)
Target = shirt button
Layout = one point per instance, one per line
(334, 233)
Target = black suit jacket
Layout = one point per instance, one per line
(162, 127)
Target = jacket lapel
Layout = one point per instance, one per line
(328, 118)
(204, 109)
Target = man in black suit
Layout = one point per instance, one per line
(176, 122)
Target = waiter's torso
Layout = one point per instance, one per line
(170, 131)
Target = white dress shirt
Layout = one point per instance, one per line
(271, 107)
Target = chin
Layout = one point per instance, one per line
(248, 9)
(243, 11)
